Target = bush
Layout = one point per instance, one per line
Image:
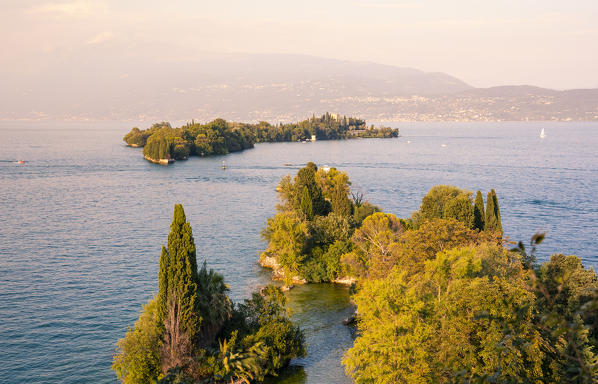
(137, 360)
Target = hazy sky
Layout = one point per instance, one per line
(550, 43)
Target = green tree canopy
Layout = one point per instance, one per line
(178, 273)
(493, 221)
(445, 201)
(286, 235)
(315, 211)
(306, 204)
(306, 178)
(137, 359)
(451, 322)
(479, 215)
(374, 245)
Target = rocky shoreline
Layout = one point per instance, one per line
(278, 274)
(159, 161)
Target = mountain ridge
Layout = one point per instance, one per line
(271, 87)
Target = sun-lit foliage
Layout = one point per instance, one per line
(316, 218)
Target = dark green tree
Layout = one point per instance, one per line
(306, 204)
(162, 298)
(570, 287)
(460, 208)
(493, 222)
(306, 177)
(266, 316)
(479, 217)
(445, 201)
(339, 201)
(311, 165)
(497, 212)
(178, 277)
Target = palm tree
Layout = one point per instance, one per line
(240, 366)
(214, 305)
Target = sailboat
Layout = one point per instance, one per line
(542, 134)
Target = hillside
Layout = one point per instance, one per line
(97, 84)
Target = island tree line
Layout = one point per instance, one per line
(220, 137)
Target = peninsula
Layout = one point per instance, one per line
(439, 298)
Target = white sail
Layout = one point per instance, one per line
(542, 134)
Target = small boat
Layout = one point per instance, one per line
(223, 165)
(21, 162)
(443, 145)
(542, 134)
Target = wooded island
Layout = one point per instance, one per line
(163, 144)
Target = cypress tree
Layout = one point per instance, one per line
(490, 222)
(459, 208)
(311, 165)
(163, 285)
(341, 205)
(306, 204)
(493, 222)
(497, 211)
(306, 177)
(479, 216)
(178, 276)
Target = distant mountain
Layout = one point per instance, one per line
(99, 84)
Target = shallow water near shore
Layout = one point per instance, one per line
(83, 221)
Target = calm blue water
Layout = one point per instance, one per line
(83, 221)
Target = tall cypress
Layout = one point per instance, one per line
(306, 204)
(306, 177)
(163, 285)
(490, 223)
(340, 203)
(178, 276)
(493, 221)
(479, 217)
(497, 211)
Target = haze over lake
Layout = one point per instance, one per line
(85, 217)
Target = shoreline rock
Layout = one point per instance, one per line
(345, 280)
(352, 319)
(159, 161)
(278, 273)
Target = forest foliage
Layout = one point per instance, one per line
(312, 229)
(440, 297)
(325, 231)
(477, 314)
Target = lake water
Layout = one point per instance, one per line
(83, 221)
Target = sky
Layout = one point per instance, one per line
(548, 43)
